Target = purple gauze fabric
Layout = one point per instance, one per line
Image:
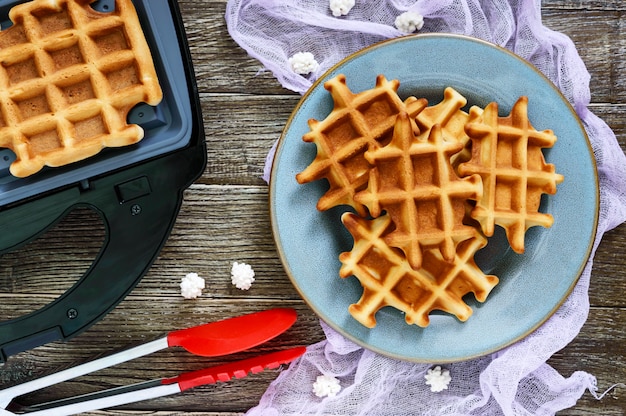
(516, 380)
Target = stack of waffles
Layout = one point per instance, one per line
(427, 185)
(69, 75)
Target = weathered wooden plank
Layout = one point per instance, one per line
(599, 350)
(225, 218)
(222, 66)
(597, 39)
(240, 130)
(237, 146)
(594, 350)
(140, 319)
(608, 275)
(583, 5)
(217, 226)
(158, 413)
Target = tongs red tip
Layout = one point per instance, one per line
(233, 334)
(237, 369)
(217, 338)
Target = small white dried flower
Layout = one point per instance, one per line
(303, 63)
(341, 7)
(326, 386)
(242, 275)
(437, 379)
(191, 286)
(409, 22)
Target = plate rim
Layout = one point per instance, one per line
(272, 209)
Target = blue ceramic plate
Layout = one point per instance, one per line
(532, 285)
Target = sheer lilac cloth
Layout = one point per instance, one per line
(516, 380)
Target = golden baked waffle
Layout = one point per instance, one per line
(413, 180)
(358, 122)
(507, 154)
(448, 114)
(452, 119)
(389, 280)
(69, 75)
(410, 171)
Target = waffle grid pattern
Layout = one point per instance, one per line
(449, 115)
(68, 77)
(438, 285)
(506, 153)
(359, 122)
(415, 183)
(413, 178)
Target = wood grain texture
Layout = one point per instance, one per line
(225, 218)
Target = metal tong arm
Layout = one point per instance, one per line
(104, 399)
(8, 394)
(152, 389)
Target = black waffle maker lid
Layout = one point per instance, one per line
(137, 190)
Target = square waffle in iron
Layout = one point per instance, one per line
(507, 154)
(357, 123)
(69, 75)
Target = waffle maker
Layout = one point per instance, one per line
(136, 190)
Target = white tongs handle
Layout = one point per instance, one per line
(8, 394)
(110, 401)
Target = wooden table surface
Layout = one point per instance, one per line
(224, 218)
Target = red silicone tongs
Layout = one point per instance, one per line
(213, 339)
